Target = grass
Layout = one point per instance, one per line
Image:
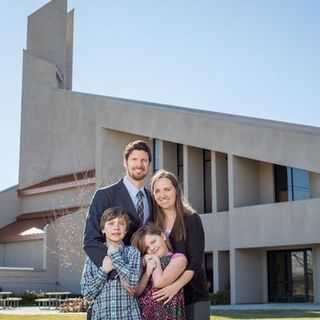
(218, 315)
(43, 317)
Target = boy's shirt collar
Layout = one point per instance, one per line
(115, 249)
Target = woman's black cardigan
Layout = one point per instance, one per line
(193, 248)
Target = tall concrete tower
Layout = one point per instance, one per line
(47, 68)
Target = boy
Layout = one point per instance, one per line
(105, 286)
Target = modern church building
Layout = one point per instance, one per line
(255, 183)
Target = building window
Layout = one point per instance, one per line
(291, 184)
(208, 263)
(180, 163)
(290, 275)
(207, 186)
(156, 155)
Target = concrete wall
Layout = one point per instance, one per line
(10, 206)
(2, 251)
(246, 276)
(50, 35)
(170, 156)
(244, 137)
(315, 184)
(23, 254)
(58, 199)
(221, 270)
(316, 273)
(246, 182)
(287, 223)
(18, 280)
(253, 182)
(69, 231)
(52, 122)
(217, 231)
(266, 178)
(110, 146)
(193, 177)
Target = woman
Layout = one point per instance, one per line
(184, 230)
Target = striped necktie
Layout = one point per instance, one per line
(140, 206)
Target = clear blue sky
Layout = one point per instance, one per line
(258, 58)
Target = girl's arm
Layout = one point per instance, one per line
(128, 272)
(150, 266)
(162, 278)
(92, 281)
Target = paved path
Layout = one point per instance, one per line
(269, 306)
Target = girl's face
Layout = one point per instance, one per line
(155, 244)
(165, 193)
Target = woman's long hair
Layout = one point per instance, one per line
(181, 205)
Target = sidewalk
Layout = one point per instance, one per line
(268, 306)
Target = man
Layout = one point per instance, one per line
(129, 193)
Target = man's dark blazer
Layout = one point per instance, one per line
(115, 195)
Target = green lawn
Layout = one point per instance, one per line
(266, 315)
(42, 317)
(218, 315)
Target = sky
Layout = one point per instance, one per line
(257, 58)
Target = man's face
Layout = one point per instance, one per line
(137, 165)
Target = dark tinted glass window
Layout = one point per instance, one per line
(291, 183)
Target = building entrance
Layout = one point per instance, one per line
(290, 276)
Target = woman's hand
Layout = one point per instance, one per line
(166, 294)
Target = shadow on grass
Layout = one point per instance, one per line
(295, 314)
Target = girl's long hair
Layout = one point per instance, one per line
(137, 239)
(181, 205)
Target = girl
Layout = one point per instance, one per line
(162, 267)
(184, 229)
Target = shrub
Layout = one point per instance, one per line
(29, 296)
(220, 297)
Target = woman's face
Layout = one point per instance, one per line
(164, 193)
(155, 244)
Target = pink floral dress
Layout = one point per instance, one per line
(151, 309)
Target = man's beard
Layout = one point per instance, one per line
(136, 177)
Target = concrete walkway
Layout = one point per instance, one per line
(268, 306)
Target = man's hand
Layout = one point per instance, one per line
(107, 264)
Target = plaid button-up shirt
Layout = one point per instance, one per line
(110, 299)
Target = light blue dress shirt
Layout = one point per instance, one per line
(133, 190)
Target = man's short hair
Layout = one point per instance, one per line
(137, 145)
(112, 213)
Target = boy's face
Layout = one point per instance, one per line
(115, 229)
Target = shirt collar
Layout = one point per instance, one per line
(131, 187)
